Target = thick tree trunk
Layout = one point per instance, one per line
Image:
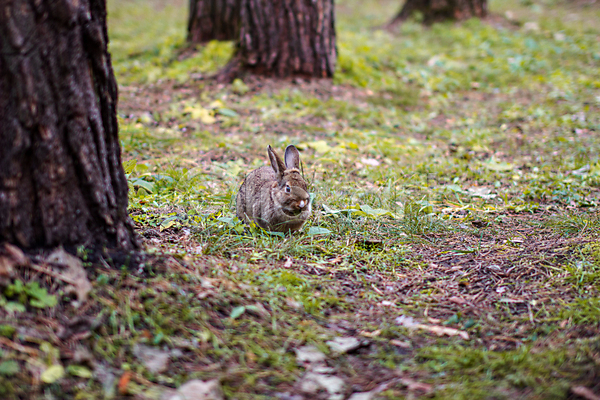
(440, 10)
(286, 38)
(61, 178)
(213, 20)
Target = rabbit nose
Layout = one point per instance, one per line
(302, 203)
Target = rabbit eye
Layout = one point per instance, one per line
(288, 189)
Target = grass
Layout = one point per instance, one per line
(455, 176)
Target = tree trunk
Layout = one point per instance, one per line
(286, 38)
(61, 178)
(213, 20)
(440, 10)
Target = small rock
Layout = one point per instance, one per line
(531, 27)
(155, 360)
(362, 396)
(105, 375)
(199, 390)
(343, 345)
(406, 321)
(559, 36)
(309, 354)
(311, 383)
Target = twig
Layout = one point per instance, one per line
(15, 346)
(51, 273)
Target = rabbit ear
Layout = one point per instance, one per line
(276, 163)
(292, 157)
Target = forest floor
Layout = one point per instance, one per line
(453, 249)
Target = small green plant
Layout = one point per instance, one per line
(29, 293)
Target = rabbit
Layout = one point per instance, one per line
(275, 197)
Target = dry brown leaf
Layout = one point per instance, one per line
(400, 343)
(124, 382)
(75, 273)
(457, 300)
(415, 386)
(338, 259)
(288, 263)
(16, 254)
(584, 392)
(370, 334)
(7, 265)
(442, 330)
(13, 257)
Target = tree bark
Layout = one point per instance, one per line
(213, 20)
(283, 38)
(61, 178)
(440, 10)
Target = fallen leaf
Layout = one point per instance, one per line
(415, 386)
(155, 360)
(75, 273)
(80, 371)
(457, 300)
(442, 330)
(584, 392)
(400, 343)
(199, 390)
(371, 334)
(10, 367)
(16, 254)
(53, 373)
(410, 323)
(341, 345)
(309, 354)
(317, 230)
(237, 312)
(124, 382)
(312, 382)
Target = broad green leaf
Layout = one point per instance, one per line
(425, 207)
(320, 146)
(13, 307)
(149, 186)
(375, 212)
(167, 223)
(228, 220)
(279, 234)
(39, 296)
(333, 211)
(7, 330)
(10, 367)
(228, 112)
(14, 288)
(498, 166)
(455, 188)
(317, 230)
(237, 312)
(215, 104)
(200, 113)
(80, 371)
(53, 373)
(129, 166)
(239, 86)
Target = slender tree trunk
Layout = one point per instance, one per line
(213, 20)
(286, 38)
(440, 10)
(61, 178)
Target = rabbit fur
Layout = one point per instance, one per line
(275, 197)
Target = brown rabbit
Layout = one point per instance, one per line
(275, 197)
